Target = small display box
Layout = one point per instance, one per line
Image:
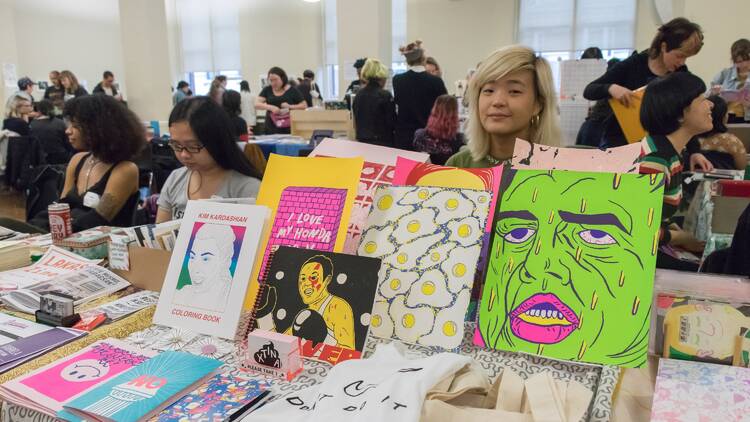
(57, 309)
(273, 354)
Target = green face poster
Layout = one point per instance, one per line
(571, 269)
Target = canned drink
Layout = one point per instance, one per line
(60, 223)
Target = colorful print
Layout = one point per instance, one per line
(429, 240)
(572, 266)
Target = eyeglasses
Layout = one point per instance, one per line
(193, 149)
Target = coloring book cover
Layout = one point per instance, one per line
(429, 240)
(571, 268)
(324, 298)
(143, 389)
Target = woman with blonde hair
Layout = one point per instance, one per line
(70, 83)
(373, 107)
(17, 110)
(510, 96)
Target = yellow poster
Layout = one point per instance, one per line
(629, 118)
(311, 201)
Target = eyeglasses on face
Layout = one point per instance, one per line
(193, 149)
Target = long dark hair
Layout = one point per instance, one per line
(211, 125)
(718, 113)
(231, 101)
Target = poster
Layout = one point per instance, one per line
(322, 297)
(429, 240)
(571, 267)
(528, 156)
(206, 280)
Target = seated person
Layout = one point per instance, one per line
(17, 111)
(231, 101)
(203, 141)
(674, 110)
(101, 181)
(723, 149)
(50, 131)
(440, 138)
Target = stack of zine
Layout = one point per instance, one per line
(14, 254)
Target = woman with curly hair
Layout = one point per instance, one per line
(101, 181)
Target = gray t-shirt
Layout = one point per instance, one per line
(174, 196)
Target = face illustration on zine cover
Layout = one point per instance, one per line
(325, 298)
(209, 265)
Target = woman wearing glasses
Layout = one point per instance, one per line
(203, 141)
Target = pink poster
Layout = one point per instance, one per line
(528, 156)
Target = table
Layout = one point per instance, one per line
(279, 144)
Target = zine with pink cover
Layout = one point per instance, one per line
(67, 378)
(307, 218)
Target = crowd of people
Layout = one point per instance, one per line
(510, 95)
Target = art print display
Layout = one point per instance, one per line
(206, 280)
(377, 170)
(571, 266)
(697, 391)
(324, 298)
(283, 173)
(530, 156)
(429, 240)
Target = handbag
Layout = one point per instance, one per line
(468, 396)
(281, 120)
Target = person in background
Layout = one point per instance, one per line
(511, 95)
(373, 108)
(101, 181)
(723, 149)
(218, 86)
(50, 131)
(247, 104)
(440, 138)
(70, 83)
(308, 87)
(213, 165)
(358, 83)
(414, 93)
(592, 53)
(673, 44)
(26, 88)
(278, 98)
(673, 111)
(735, 78)
(107, 86)
(181, 92)
(55, 92)
(232, 103)
(432, 67)
(17, 111)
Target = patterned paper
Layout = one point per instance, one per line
(528, 156)
(429, 240)
(695, 392)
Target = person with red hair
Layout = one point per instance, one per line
(440, 138)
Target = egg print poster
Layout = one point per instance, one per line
(571, 267)
(429, 240)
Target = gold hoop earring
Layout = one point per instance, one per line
(535, 120)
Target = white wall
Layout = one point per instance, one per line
(8, 53)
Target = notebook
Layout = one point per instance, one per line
(325, 298)
(144, 390)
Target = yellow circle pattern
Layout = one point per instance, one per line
(407, 321)
(435, 257)
(402, 258)
(464, 230)
(371, 247)
(395, 284)
(428, 288)
(413, 226)
(375, 321)
(385, 202)
(459, 270)
(451, 204)
(423, 194)
(449, 328)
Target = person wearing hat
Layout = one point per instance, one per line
(25, 88)
(414, 92)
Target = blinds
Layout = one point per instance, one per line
(210, 36)
(574, 25)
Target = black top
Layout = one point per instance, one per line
(440, 150)
(78, 92)
(239, 127)
(414, 95)
(54, 93)
(374, 115)
(631, 73)
(99, 89)
(51, 134)
(16, 124)
(305, 87)
(291, 96)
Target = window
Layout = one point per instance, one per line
(330, 51)
(562, 29)
(398, 36)
(210, 41)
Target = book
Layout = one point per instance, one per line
(47, 388)
(325, 298)
(429, 240)
(283, 173)
(144, 390)
(629, 118)
(224, 397)
(377, 170)
(698, 391)
(206, 281)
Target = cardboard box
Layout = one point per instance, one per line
(148, 267)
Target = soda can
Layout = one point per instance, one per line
(60, 223)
